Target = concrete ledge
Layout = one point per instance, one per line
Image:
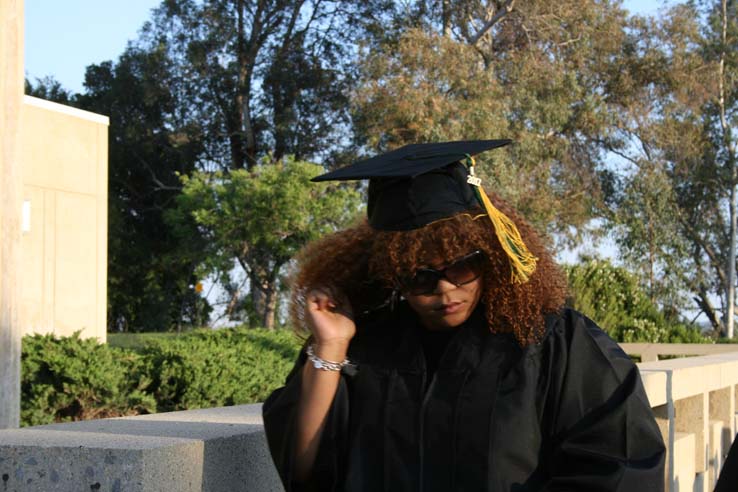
(694, 375)
(654, 382)
(218, 449)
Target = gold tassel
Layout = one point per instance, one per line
(522, 261)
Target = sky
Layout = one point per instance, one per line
(63, 38)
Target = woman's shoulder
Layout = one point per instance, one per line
(570, 325)
(575, 345)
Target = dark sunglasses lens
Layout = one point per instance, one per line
(465, 270)
(460, 272)
(423, 282)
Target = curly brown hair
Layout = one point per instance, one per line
(364, 264)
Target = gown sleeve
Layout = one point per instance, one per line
(603, 434)
(279, 414)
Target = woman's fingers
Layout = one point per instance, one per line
(328, 309)
(321, 299)
(327, 300)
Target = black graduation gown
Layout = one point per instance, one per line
(566, 414)
(728, 480)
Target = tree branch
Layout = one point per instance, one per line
(506, 9)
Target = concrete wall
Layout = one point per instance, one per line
(210, 450)
(64, 245)
(11, 184)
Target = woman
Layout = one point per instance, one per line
(441, 358)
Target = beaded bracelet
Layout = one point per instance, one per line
(325, 365)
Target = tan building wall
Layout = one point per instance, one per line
(64, 152)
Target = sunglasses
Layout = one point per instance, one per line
(461, 271)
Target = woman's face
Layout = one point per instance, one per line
(448, 305)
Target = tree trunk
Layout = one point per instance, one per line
(270, 308)
(651, 261)
(264, 296)
(257, 303)
(446, 17)
(730, 288)
(730, 303)
(243, 140)
(703, 301)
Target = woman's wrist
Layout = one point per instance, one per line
(333, 350)
(324, 364)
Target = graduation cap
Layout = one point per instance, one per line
(418, 184)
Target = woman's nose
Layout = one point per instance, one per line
(444, 285)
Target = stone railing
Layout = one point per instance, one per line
(650, 352)
(694, 400)
(224, 449)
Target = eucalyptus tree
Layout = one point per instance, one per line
(678, 125)
(537, 72)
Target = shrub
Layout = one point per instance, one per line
(218, 368)
(611, 296)
(70, 378)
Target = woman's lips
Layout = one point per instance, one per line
(450, 308)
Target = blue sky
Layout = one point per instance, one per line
(63, 38)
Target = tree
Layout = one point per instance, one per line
(49, 89)
(650, 236)
(683, 86)
(260, 218)
(538, 73)
(256, 81)
(149, 273)
(263, 77)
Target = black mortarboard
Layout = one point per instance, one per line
(418, 184)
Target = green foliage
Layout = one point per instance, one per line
(260, 218)
(219, 368)
(73, 379)
(676, 135)
(149, 269)
(137, 341)
(49, 89)
(262, 76)
(611, 296)
(428, 83)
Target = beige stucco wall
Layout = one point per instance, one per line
(64, 152)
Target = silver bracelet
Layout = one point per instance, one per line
(325, 365)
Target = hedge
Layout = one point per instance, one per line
(611, 296)
(70, 378)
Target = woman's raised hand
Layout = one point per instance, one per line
(329, 318)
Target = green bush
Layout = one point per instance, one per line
(70, 378)
(219, 368)
(137, 341)
(611, 296)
